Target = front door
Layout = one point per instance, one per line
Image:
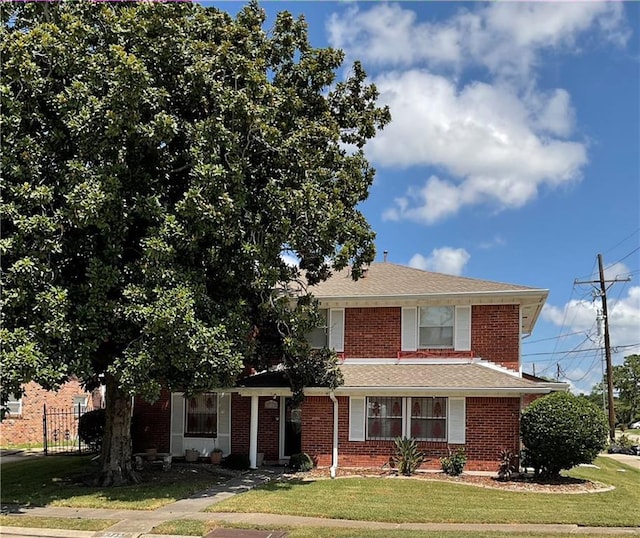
(290, 430)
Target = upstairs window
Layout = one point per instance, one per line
(318, 338)
(79, 405)
(202, 415)
(14, 406)
(435, 327)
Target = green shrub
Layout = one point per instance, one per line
(236, 462)
(91, 428)
(407, 457)
(624, 441)
(301, 462)
(454, 463)
(508, 464)
(561, 430)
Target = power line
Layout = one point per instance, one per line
(615, 349)
(552, 338)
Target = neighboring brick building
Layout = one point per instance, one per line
(424, 355)
(23, 423)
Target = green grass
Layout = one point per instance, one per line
(375, 499)
(77, 524)
(57, 481)
(191, 527)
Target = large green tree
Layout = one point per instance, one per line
(156, 162)
(626, 380)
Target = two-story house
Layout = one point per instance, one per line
(424, 355)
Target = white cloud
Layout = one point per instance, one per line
(497, 147)
(447, 260)
(497, 241)
(504, 37)
(624, 319)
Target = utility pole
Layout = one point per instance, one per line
(607, 341)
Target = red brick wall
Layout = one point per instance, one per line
(27, 427)
(151, 423)
(372, 332)
(492, 424)
(317, 429)
(268, 427)
(495, 334)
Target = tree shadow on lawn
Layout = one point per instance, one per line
(68, 481)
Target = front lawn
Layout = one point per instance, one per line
(62, 481)
(399, 500)
(76, 524)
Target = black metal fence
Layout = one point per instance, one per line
(60, 430)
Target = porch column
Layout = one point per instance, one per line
(253, 433)
(334, 450)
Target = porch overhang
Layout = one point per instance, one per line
(375, 377)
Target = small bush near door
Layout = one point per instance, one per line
(301, 462)
(237, 462)
(454, 463)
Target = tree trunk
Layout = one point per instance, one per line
(117, 468)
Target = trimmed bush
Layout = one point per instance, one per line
(237, 462)
(454, 463)
(91, 428)
(301, 462)
(407, 457)
(560, 431)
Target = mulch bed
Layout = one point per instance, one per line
(521, 483)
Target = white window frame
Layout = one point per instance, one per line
(444, 406)
(405, 407)
(452, 309)
(323, 328)
(187, 406)
(81, 400)
(14, 406)
(333, 330)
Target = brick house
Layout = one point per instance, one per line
(423, 355)
(23, 423)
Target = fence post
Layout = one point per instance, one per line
(44, 428)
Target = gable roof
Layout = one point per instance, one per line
(393, 284)
(385, 279)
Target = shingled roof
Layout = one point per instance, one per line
(441, 377)
(389, 279)
(396, 285)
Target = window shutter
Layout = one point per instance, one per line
(224, 422)
(357, 412)
(463, 328)
(336, 329)
(409, 328)
(456, 419)
(177, 423)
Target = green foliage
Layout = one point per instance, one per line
(301, 462)
(561, 430)
(407, 457)
(157, 160)
(454, 463)
(626, 380)
(508, 464)
(91, 428)
(624, 441)
(236, 461)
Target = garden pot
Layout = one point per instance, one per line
(151, 453)
(191, 456)
(216, 458)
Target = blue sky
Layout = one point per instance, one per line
(513, 153)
